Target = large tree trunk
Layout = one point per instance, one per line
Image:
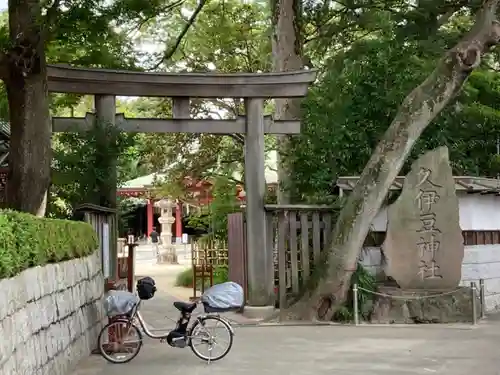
(329, 285)
(287, 56)
(26, 81)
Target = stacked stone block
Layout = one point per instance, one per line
(50, 317)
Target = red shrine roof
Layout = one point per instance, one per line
(142, 185)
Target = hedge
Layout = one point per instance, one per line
(185, 278)
(27, 241)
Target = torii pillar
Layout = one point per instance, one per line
(259, 257)
(105, 112)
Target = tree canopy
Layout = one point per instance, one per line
(370, 54)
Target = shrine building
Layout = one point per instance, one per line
(200, 193)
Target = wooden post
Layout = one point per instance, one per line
(105, 108)
(150, 217)
(130, 267)
(180, 108)
(260, 283)
(178, 223)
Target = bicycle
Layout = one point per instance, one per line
(181, 336)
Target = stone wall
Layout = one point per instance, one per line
(483, 262)
(50, 317)
(480, 262)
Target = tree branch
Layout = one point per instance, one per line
(170, 52)
(238, 138)
(51, 14)
(167, 8)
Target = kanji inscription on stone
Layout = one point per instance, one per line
(429, 270)
(428, 223)
(423, 247)
(426, 199)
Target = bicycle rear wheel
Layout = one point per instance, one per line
(202, 335)
(120, 341)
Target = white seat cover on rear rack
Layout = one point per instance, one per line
(119, 302)
(225, 296)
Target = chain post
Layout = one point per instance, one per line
(473, 296)
(355, 304)
(482, 297)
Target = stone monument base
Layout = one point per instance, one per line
(402, 307)
(167, 258)
(258, 312)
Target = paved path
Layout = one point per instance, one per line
(339, 350)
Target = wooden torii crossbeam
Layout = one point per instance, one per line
(151, 125)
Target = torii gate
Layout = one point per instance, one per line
(105, 85)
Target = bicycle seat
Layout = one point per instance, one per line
(185, 306)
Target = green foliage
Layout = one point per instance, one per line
(224, 202)
(29, 241)
(365, 280)
(185, 278)
(127, 210)
(212, 219)
(83, 163)
(200, 221)
(350, 108)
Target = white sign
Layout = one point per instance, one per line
(185, 238)
(105, 250)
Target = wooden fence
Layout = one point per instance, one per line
(209, 252)
(206, 255)
(298, 234)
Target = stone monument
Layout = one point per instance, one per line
(424, 249)
(424, 244)
(167, 253)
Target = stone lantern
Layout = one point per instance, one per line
(167, 252)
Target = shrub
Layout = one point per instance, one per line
(185, 278)
(365, 299)
(29, 241)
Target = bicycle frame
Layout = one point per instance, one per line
(136, 314)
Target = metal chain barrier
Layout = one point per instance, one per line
(410, 297)
(356, 289)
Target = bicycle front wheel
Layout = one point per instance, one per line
(120, 341)
(212, 334)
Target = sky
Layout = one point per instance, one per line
(3, 5)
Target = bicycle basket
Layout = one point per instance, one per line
(146, 288)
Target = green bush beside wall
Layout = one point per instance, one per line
(185, 278)
(27, 241)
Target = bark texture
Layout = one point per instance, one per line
(26, 80)
(287, 56)
(329, 285)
